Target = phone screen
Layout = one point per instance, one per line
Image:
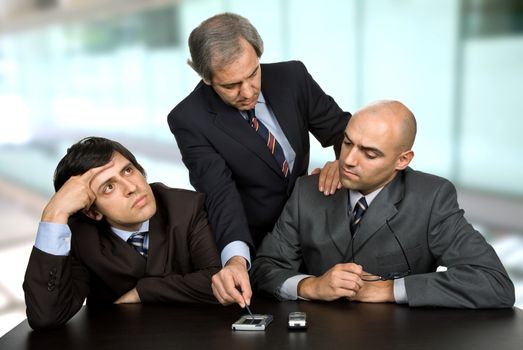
(252, 321)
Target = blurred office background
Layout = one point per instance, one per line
(115, 68)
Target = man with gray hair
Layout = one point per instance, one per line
(244, 136)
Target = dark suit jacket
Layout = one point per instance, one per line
(313, 234)
(101, 266)
(229, 162)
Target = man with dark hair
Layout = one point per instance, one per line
(382, 237)
(109, 236)
(244, 136)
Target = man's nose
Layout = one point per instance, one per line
(350, 158)
(246, 90)
(129, 187)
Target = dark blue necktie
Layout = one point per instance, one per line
(136, 241)
(359, 209)
(272, 143)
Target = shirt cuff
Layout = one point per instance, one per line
(400, 293)
(54, 239)
(236, 248)
(289, 288)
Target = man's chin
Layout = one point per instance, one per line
(246, 107)
(351, 185)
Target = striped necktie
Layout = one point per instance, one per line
(359, 209)
(136, 241)
(272, 143)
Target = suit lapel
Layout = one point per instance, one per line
(337, 221)
(157, 255)
(382, 209)
(116, 263)
(229, 120)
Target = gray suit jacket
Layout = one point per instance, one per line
(312, 235)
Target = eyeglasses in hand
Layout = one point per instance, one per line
(388, 276)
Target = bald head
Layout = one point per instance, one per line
(394, 116)
(377, 145)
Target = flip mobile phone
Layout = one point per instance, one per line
(297, 320)
(252, 323)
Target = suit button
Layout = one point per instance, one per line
(51, 288)
(52, 272)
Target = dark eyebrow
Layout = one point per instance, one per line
(229, 84)
(102, 185)
(255, 70)
(129, 164)
(372, 149)
(112, 177)
(366, 148)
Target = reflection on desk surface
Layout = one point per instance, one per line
(339, 324)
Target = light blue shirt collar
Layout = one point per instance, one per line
(126, 234)
(261, 99)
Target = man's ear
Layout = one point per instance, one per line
(404, 160)
(206, 82)
(93, 214)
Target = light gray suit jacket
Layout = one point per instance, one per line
(312, 235)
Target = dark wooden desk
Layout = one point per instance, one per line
(332, 326)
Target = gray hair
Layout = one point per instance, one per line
(215, 42)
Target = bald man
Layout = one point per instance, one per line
(382, 237)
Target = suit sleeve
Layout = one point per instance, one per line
(326, 121)
(280, 256)
(475, 277)
(210, 174)
(55, 288)
(194, 286)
